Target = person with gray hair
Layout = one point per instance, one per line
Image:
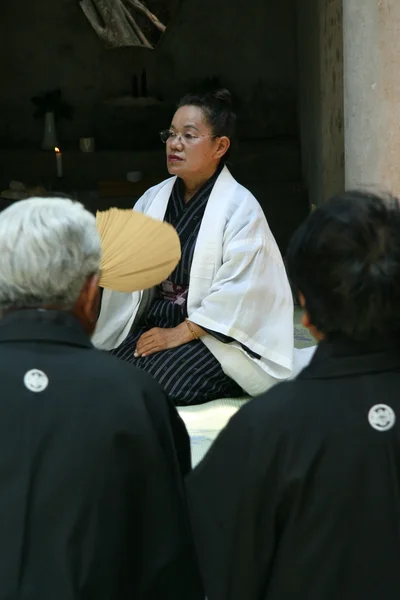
(49, 250)
(92, 453)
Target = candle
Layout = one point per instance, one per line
(59, 162)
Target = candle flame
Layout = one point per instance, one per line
(57, 150)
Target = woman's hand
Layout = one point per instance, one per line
(158, 339)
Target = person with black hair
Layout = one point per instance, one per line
(222, 324)
(299, 497)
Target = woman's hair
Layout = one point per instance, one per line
(217, 108)
(49, 247)
(345, 260)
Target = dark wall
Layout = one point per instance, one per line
(250, 46)
(49, 44)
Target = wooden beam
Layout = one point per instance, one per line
(136, 28)
(152, 17)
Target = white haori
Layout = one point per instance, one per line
(238, 287)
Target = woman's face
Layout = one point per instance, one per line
(192, 150)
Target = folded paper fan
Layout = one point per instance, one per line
(138, 252)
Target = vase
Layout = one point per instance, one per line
(49, 141)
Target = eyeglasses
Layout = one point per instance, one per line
(185, 138)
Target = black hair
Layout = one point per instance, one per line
(217, 108)
(345, 260)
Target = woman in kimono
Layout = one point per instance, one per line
(222, 324)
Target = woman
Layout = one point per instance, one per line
(222, 324)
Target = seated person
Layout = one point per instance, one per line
(91, 494)
(299, 498)
(222, 325)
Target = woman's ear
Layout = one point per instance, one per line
(223, 145)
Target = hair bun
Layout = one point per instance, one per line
(224, 96)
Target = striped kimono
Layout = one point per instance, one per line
(189, 374)
(231, 282)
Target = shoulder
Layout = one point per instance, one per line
(116, 384)
(244, 214)
(86, 381)
(253, 435)
(240, 198)
(279, 411)
(141, 404)
(156, 188)
(245, 219)
(144, 201)
(118, 370)
(272, 405)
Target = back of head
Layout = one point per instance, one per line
(217, 108)
(345, 260)
(49, 247)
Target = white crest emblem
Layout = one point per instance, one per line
(36, 381)
(381, 417)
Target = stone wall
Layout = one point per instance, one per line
(372, 94)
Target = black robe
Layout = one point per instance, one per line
(92, 453)
(299, 498)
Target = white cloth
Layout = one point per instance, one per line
(238, 287)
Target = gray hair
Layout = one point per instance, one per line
(49, 247)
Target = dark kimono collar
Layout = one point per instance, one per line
(204, 191)
(43, 325)
(341, 358)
